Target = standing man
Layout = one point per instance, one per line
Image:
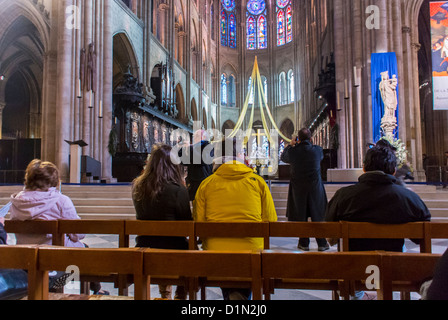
(198, 158)
(307, 197)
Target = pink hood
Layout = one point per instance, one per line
(44, 205)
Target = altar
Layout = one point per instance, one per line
(344, 175)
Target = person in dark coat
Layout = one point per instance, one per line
(198, 159)
(307, 197)
(438, 290)
(377, 198)
(159, 194)
(3, 234)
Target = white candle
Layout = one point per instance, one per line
(101, 109)
(79, 89)
(91, 99)
(338, 101)
(346, 89)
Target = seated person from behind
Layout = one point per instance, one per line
(41, 200)
(159, 194)
(376, 198)
(234, 193)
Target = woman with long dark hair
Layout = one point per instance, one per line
(159, 194)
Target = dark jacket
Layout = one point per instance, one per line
(377, 198)
(3, 235)
(438, 290)
(171, 205)
(307, 196)
(198, 168)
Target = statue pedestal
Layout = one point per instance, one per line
(344, 175)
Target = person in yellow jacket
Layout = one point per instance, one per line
(234, 193)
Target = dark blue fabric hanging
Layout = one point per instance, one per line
(381, 62)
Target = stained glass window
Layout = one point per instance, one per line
(251, 36)
(232, 31)
(284, 22)
(223, 89)
(282, 3)
(228, 24)
(256, 7)
(256, 25)
(281, 28)
(224, 28)
(281, 148)
(229, 5)
(288, 24)
(262, 39)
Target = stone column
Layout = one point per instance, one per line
(106, 165)
(2, 107)
(64, 88)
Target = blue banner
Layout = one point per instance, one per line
(381, 62)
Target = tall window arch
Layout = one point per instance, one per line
(224, 89)
(228, 24)
(284, 22)
(291, 86)
(264, 82)
(282, 89)
(256, 25)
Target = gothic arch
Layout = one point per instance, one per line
(124, 58)
(180, 102)
(22, 62)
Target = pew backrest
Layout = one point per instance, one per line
(162, 228)
(233, 230)
(36, 227)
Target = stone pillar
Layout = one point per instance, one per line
(2, 107)
(106, 165)
(64, 87)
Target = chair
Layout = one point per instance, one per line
(22, 258)
(406, 272)
(104, 227)
(306, 230)
(203, 264)
(167, 229)
(36, 227)
(90, 261)
(230, 230)
(289, 270)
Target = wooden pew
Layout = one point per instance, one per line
(233, 230)
(90, 261)
(230, 230)
(365, 230)
(406, 272)
(36, 227)
(168, 229)
(25, 258)
(161, 228)
(305, 230)
(329, 267)
(103, 227)
(324, 230)
(204, 264)
(437, 230)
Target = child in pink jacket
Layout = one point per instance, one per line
(41, 200)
